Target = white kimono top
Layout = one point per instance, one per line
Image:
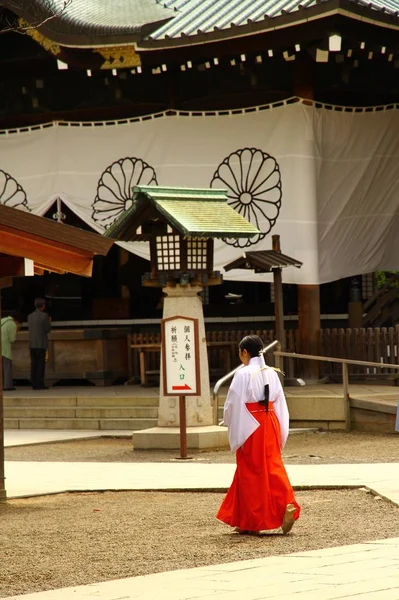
(248, 386)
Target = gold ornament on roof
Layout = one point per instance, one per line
(35, 34)
(119, 57)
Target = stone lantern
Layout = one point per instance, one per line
(180, 225)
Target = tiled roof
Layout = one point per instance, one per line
(205, 16)
(193, 212)
(92, 22)
(263, 261)
(27, 223)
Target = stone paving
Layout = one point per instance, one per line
(365, 571)
(27, 437)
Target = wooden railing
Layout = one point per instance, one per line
(216, 341)
(343, 365)
(379, 344)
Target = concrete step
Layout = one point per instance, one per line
(71, 412)
(81, 423)
(52, 410)
(108, 401)
(118, 401)
(377, 415)
(10, 402)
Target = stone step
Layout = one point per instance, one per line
(108, 401)
(10, 402)
(118, 401)
(90, 424)
(52, 411)
(102, 412)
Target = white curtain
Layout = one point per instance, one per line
(325, 180)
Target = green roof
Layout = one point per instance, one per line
(193, 212)
(164, 23)
(92, 23)
(211, 18)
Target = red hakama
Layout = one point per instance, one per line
(258, 497)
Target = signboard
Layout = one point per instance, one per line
(180, 356)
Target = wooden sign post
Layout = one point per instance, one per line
(180, 365)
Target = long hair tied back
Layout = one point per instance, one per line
(265, 400)
(254, 346)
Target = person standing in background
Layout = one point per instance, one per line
(9, 330)
(39, 326)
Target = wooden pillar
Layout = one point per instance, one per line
(124, 310)
(309, 327)
(278, 296)
(3, 494)
(303, 77)
(308, 295)
(355, 305)
(355, 315)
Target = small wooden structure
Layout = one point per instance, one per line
(269, 261)
(31, 245)
(180, 224)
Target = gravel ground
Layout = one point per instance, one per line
(303, 448)
(74, 539)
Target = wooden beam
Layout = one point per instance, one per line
(48, 254)
(39, 269)
(12, 266)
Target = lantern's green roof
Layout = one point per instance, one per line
(192, 212)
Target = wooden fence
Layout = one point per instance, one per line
(216, 355)
(378, 344)
(372, 344)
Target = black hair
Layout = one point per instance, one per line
(40, 302)
(16, 316)
(253, 345)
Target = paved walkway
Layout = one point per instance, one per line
(366, 571)
(28, 437)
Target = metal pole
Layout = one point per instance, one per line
(3, 493)
(347, 408)
(215, 408)
(183, 432)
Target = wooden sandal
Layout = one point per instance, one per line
(288, 520)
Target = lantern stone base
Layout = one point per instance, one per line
(185, 301)
(168, 438)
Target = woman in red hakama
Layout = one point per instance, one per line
(261, 497)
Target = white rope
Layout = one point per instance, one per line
(205, 114)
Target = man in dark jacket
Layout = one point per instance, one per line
(39, 327)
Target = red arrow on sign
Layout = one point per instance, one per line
(181, 387)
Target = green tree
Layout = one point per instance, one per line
(388, 278)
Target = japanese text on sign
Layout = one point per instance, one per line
(180, 342)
